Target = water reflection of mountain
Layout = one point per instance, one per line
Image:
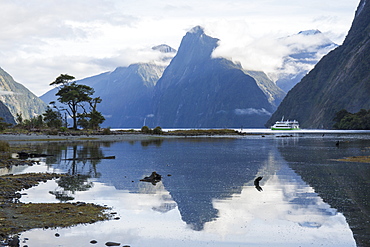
(343, 185)
(211, 185)
(200, 171)
(209, 172)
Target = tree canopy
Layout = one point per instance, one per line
(62, 79)
(355, 121)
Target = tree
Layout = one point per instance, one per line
(62, 79)
(340, 114)
(73, 95)
(157, 130)
(93, 119)
(347, 120)
(19, 118)
(33, 123)
(96, 118)
(53, 119)
(146, 130)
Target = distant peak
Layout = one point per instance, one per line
(310, 32)
(164, 48)
(197, 29)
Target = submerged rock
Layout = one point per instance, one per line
(14, 241)
(153, 178)
(112, 244)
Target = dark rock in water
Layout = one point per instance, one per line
(14, 241)
(57, 235)
(93, 242)
(112, 244)
(257, 183)
(24, 155)
(154, 178)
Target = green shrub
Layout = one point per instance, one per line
(157, 130)
(106, 131)
(146, 130)
(52, 132)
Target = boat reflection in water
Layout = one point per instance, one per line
(203, 202)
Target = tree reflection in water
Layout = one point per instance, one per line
(69, 185)
(80, 160)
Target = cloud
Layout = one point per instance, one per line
(85, 38)
(252, 111)
(271, 53)
(132, 55)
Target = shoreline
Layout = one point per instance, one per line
(127, 136)
(58, 138)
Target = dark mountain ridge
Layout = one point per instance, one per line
(197, 90)
(341, 80)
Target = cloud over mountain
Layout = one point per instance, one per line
(273, 55)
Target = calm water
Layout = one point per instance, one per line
(207, 195)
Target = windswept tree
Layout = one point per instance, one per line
(73, 95)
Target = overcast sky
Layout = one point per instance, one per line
(41, 39)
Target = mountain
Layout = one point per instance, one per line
(5, 114)
(274, 94)
(164, 48)
(305, 49)
(341, 80)
(227, 95)
(18, 98)
(197, 90)
(126, 93)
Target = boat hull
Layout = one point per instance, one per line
(282, 128)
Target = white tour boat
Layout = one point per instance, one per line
(285, 125)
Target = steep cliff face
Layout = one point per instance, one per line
(199, 91)
(127, 94)
(5, 114)
(341, 80)
(18, 98)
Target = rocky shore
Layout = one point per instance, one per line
(116, 135)
(16, 217)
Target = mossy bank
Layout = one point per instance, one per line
(16, 217)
